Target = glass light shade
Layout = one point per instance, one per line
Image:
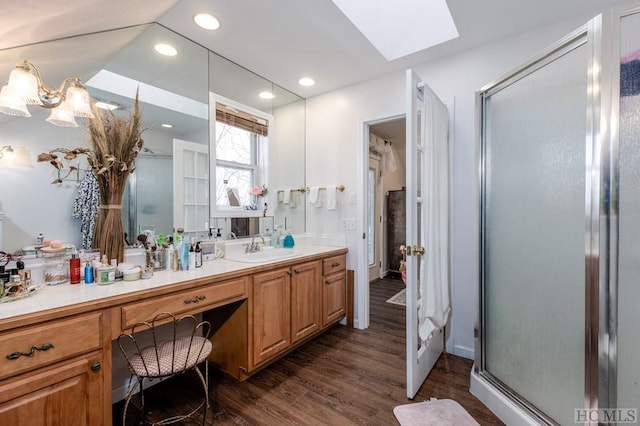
(62, 115)
(11, 104)
(78, 99)
(7, 153)
(24, 83)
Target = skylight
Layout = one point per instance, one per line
(400, 27)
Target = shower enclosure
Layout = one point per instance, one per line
(558, 337)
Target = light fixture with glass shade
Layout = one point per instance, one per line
(6, 150)
(25, 87)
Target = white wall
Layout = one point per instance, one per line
(334, 154)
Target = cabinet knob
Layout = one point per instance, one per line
(95, 367)
(296, 271)
(289, 272)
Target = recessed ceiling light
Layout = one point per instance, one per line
(206, 21)
(167, 125)
(267, 95)
(106, 105)
(165, 49)
(306, 81)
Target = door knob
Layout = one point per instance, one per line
(405, 250)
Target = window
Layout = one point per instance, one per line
(241, 146)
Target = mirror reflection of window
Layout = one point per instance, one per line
(233, 197)
(241, 149)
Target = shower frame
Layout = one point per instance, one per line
(602, 36)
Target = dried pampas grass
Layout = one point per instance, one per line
(115, 143)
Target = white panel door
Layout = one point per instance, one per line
(421, 354)
(191, 187)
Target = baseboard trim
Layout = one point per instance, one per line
(463, 351)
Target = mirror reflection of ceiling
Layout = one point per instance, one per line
(114, 63)
(283, 39)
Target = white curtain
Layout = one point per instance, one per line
(434, 284)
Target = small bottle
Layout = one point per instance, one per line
(74, 268)
(40, 239)
(288, 241)
(88, 273)
(179, 235)
(175, 264)
(275, 237)
(198, 255)
(219, 247)
(27, 279)
(169, 257)
(192, 257)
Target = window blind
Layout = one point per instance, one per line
(242, 120)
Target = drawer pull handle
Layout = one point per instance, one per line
(95, 367)
(335, 265)
(296, 271)
(16, 355)
(195, 299)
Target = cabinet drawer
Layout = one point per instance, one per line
(68, 338)
(334, 264)
(186, 302)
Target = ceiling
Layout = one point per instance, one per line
(282, 40)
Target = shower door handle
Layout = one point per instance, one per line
(412, 251)
(418, 251)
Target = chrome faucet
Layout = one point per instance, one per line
(254, 247)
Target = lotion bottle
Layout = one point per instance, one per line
(219, 245)
(275, 237)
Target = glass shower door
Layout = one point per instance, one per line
(533, 232)
(628, 297)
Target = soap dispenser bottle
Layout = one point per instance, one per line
(288, 241)
(219, 245)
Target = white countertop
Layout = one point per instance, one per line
(62, 295)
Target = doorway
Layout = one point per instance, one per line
(386, 214)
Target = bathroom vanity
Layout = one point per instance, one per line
(55, 365)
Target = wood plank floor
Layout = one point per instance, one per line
(344, 377)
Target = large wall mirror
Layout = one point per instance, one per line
(172, 182)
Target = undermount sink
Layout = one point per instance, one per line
(267, 254)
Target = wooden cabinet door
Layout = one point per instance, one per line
(334, 295)
(270, 310)
(70, 393)
(306, 300)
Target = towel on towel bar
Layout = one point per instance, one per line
(287, 196)
(314, 196)
(331, 197)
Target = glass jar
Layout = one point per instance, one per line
(56, 269)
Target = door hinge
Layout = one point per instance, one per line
(364, 236)
(475, 332)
